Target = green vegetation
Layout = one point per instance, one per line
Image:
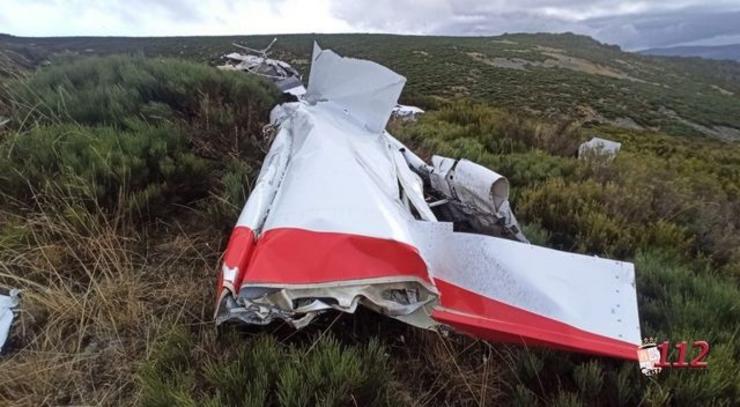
(159, 131)
(554, 75)
(260, 371)
(120, 178)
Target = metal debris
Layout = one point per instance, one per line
(257, 62)
(599, 147)
(475, 198)
(8, 303)
(407, 113)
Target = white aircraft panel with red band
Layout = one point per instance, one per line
(338, 218)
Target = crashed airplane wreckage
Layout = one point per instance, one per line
(257, 62)
(343, 214)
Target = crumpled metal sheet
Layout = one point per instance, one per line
(281, 73)
(298, 306)
(365, 90)
(8, 303)
(477, 196)
(287, 196)
(339, 218)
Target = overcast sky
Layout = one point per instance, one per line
(631, 24)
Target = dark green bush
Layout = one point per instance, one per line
(469, 130)
(154, 163)
(113, 90)
(156, 131)
(238, 371)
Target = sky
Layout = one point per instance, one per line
(631, 24)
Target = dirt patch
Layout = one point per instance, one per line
(554, 60)
(506, 63)
(626, 123)
(460, 90)
(559, 60)
(544, 49)
(728, 133)
(719, 132)
(589, 114)
(722, 91)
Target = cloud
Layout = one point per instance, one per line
(167, 17)
(630, 23)
(665, 29)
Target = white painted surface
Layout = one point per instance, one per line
(364, 89)
(7, 305)
(601, 146)
(594, 294)
(407, 111)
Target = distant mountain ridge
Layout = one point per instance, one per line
(564, 75)
(728, 52)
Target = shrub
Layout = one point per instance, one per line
(160, 129)
(495, 130)
(115, 89)
(154, 163)
(236, 371)
(589, 378)
(677, 303)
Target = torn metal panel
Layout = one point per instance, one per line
(300, 304)
(8, 303)
(296, 222)
(343, 214)
(363, 89)
(475, 198)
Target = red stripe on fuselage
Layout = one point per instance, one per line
(299, 256)
(239, 252)
(487, 318)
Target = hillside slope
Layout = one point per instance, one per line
(547, 74)
(121, 177)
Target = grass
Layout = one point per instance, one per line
(239, 371)
(121, 177)
(95, 297)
